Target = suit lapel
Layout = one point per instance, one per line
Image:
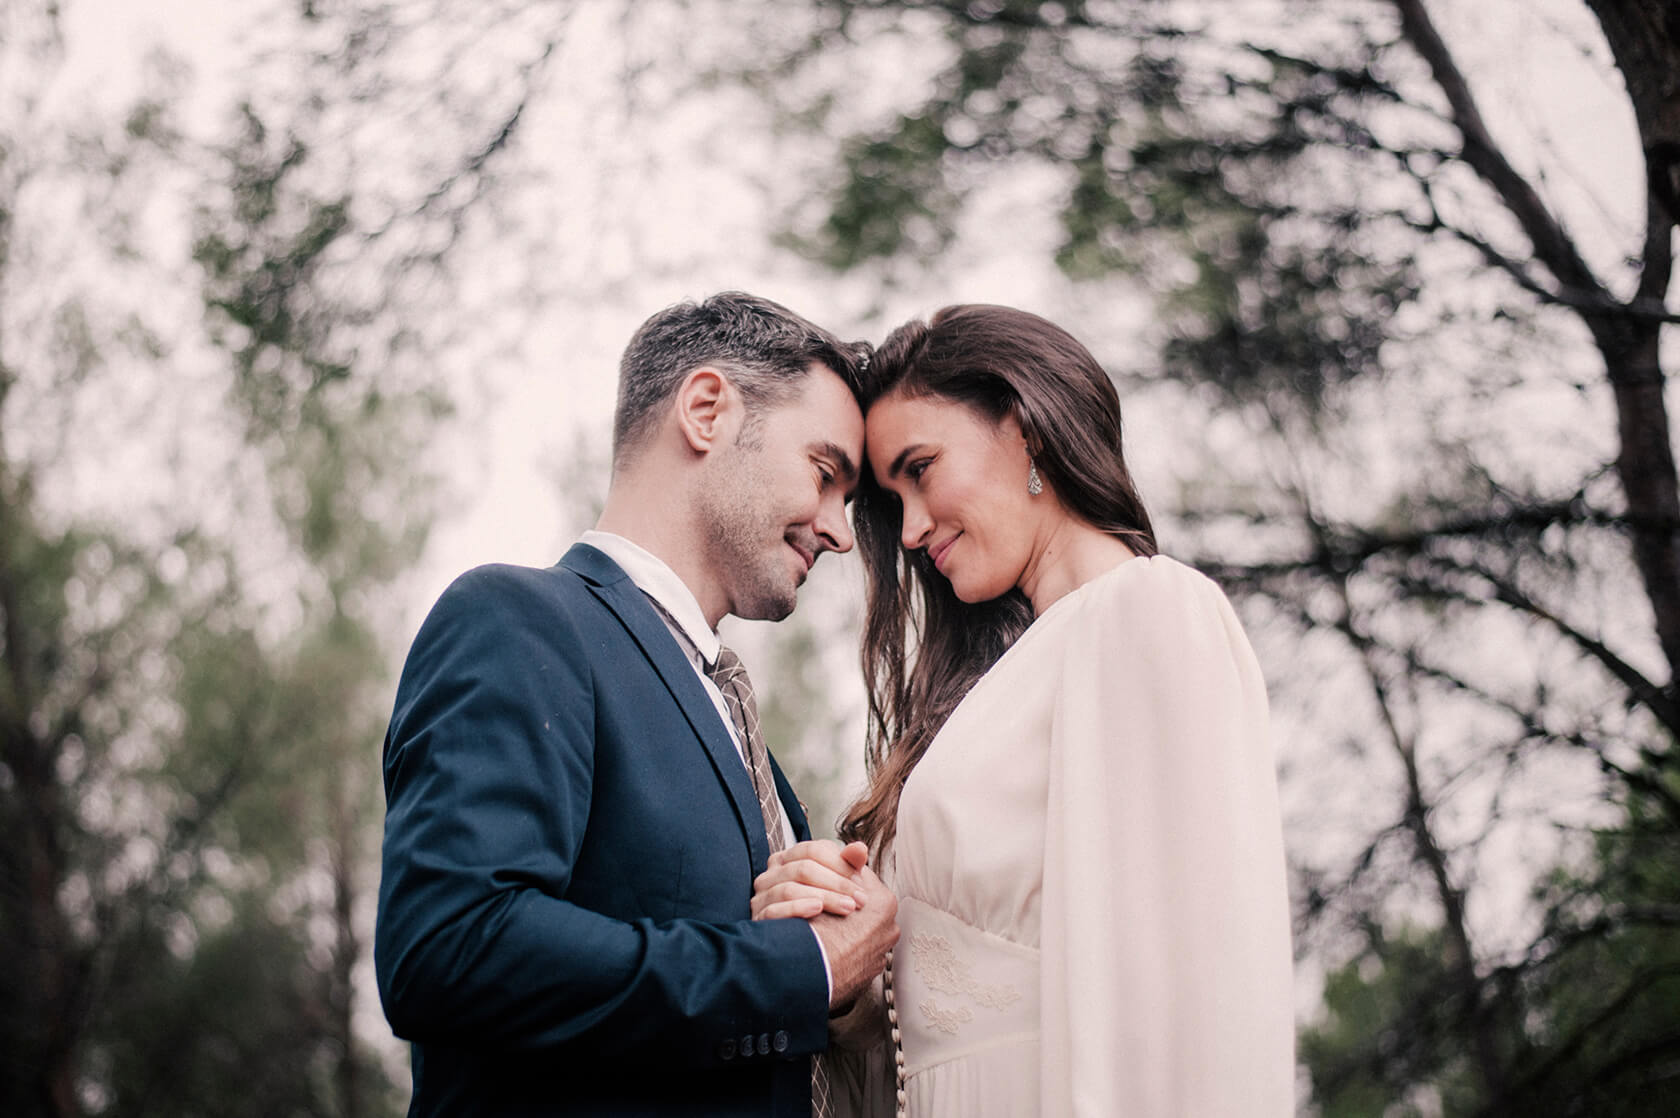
(791, 804)
(619, 594)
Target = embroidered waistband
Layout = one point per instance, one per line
(959, 989)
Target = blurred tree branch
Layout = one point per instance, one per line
(1308, 197)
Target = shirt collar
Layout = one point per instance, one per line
(659, 582)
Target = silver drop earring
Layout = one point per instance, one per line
(1034, 485)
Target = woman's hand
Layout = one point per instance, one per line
(811, 878)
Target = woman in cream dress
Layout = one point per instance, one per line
(1071, 776)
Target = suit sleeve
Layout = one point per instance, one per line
(488, 767)
(1165, 944)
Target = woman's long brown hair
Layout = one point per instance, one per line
(923, 647)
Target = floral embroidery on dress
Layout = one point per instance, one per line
(946, 1020)
(945, 972)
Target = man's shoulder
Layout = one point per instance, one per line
(511, 578)
(582, 565)
(506, 594)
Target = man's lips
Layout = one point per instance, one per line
(808, 557)
(937, 552)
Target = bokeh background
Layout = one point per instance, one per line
(308, 305)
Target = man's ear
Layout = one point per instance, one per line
(708, 409)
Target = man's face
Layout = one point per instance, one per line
(777, 496)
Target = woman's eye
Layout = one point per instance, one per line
(915, 470)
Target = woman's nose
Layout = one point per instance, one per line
(915, 527)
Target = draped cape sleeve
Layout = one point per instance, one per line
(1165, 965)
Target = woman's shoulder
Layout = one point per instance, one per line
(1157, 600)
(1144, 581)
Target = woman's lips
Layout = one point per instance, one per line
(937, 553)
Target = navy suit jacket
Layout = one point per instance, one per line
(570, 845)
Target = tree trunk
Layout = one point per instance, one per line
(1476, 1016)
(52, 967)
(1644, 39)
(33, 807)
(49, 965)
(1645, 465)
(347, 950)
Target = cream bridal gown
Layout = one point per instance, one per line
(1091, 875)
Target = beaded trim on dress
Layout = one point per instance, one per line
(901, 1096)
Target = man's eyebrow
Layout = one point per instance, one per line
(842, 461)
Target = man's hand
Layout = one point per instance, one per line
(857, 944)
(811, 878)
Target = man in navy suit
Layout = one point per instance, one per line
(574, 816)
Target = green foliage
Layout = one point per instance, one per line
(894, 198)
(1391, 1028)
(261, 262)
(224, 1021)
(1281, 291)
(1605, 1005)
(1588, 1020)
(191, 700)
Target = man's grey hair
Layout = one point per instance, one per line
(763, 348)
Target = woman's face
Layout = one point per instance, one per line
(962, 483)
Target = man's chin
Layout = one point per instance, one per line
(769, 605)
(777, 611)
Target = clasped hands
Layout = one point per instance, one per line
(853, 913)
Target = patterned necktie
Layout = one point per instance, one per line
(731, 679)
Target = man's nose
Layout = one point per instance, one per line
(833, 528)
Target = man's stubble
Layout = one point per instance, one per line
(744, 537)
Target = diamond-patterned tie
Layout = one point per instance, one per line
(731, 679)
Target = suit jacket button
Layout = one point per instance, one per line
(747, 1045)
(726, 1050)
(780, 1041)
(764, 1044)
